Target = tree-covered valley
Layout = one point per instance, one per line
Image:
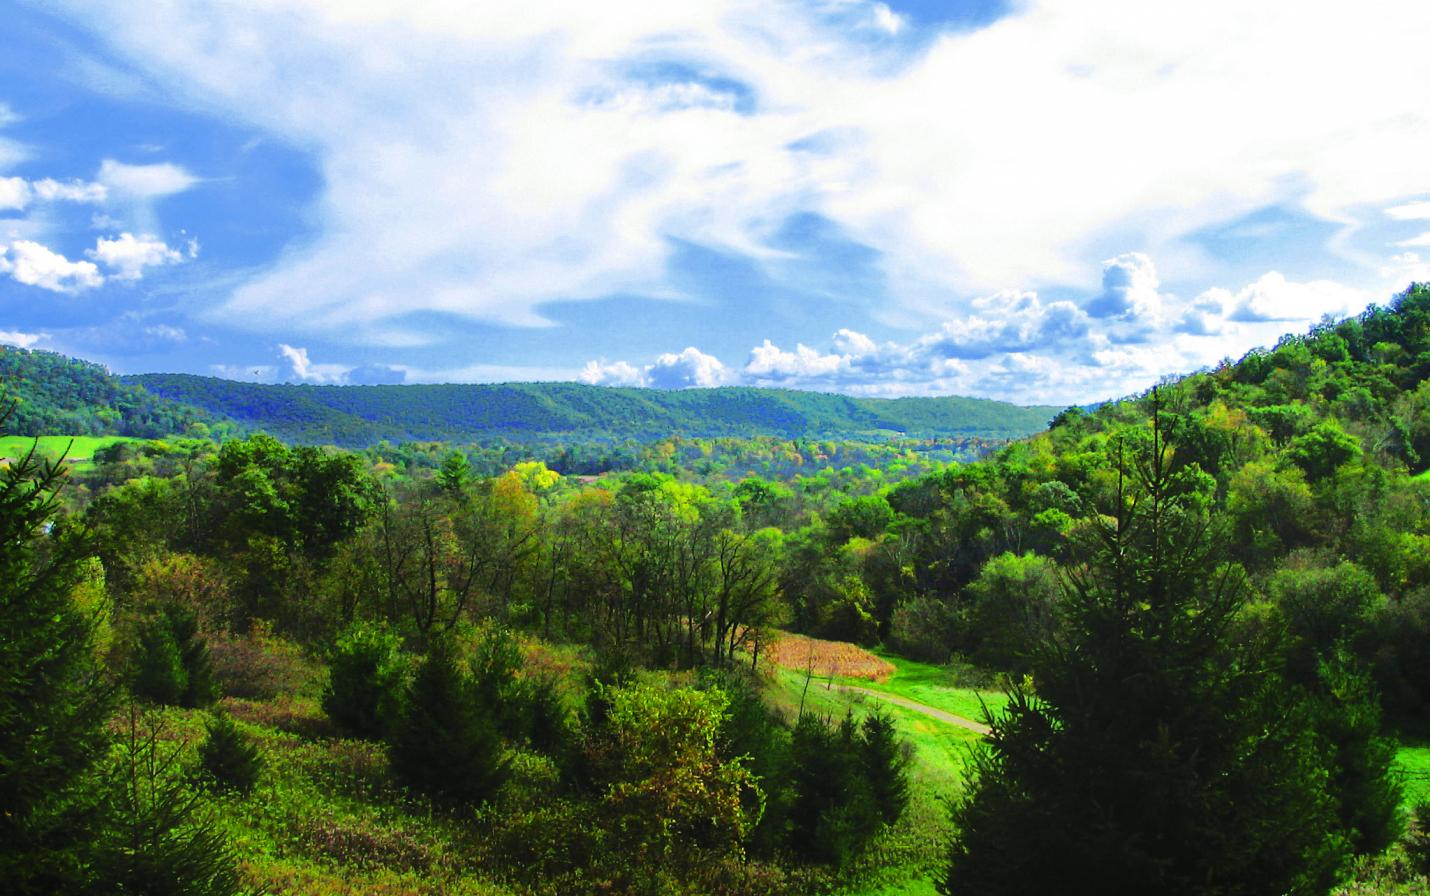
(1175, 643)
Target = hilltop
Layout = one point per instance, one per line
(355, 416)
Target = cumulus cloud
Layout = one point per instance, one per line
(304, 370)
(690, 368)
(1129, 289)
(1274, 298)
(15, 193)
(127, 255)
(474, 165)
(1007, 322)
(143, 182)
(35, 265)
(618, 373)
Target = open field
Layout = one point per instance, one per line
(1413, 760)
(827, 658)
(78, 450)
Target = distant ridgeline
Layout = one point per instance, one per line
(358, 416)
(49, 394)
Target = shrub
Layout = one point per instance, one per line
(230, 759)
(261, 666)
(364, 680)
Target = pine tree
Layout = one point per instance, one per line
(159, 838)
(884, 761)
(1163, 752)
(443, 745)
(53, 702)
(229, 758)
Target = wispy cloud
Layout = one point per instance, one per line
(484, 162)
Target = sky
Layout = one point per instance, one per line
(1037, 201)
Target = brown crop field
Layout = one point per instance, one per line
(827, 657)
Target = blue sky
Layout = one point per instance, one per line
(1026, 200)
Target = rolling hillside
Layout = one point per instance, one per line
(362, 415)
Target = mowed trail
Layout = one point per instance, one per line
(916, 706)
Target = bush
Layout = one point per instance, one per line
(365, 678)
(230, 759)
(261, 666)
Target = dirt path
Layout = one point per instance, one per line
(946, 717)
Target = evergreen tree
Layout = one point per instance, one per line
(53, 703)
(229, 758)
(1163, 752)
(172, 665)
(444, 746)
(884, 762)
(159, 839)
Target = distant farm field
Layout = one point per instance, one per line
(76, 449)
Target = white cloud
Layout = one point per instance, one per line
(469, 168)
(305, 371)
(1129, 289)
(23, 340)
(127, 255)
(51, 190)
(142, 182)
(690, 368)
(166, 333)
(1416, 241)
(886, 20)
(1274, 298)
(8, 115)
(1410, 211)
(620, 373)
(15, 193)
(34, 265)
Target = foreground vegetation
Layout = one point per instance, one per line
(1195, 622)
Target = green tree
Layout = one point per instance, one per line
(443, 745)
(230, 759)
(53, 701)
(159, 838)
(1161, 753)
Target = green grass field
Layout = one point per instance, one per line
(1413, 761)
(78, 449)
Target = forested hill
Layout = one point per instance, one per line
(355, 416)
(43, 393)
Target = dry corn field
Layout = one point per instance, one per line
(827, 657)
